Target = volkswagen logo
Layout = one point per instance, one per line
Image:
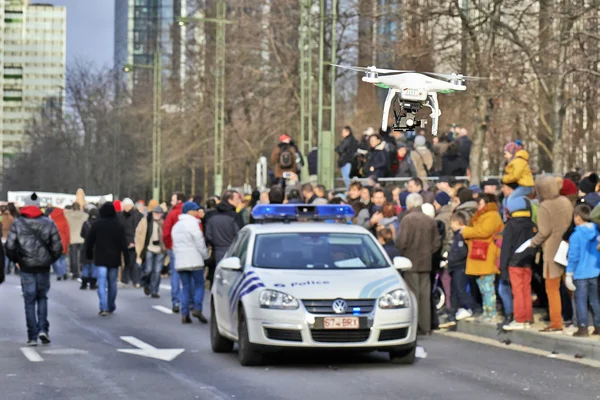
(339, 306)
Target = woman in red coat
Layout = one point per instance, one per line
(60, 266)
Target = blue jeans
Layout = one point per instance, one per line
(151, 271)
(60, 266)
(587, 291)
(35, 292)
(346, 169)
(505, 293)
(175, 281)
(107, 282)
(193, 288)
(88, 271)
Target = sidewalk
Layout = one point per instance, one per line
(558, 343)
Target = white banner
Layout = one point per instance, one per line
(60, 200)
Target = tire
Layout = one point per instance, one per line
(404, 357)
(247, 355)
(218, 343)
(439, 298)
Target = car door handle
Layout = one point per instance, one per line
(220, 279)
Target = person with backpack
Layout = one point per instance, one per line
(421, 157)
(285, 157)
(34, 244)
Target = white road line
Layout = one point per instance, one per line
(163, 309)
(31, 354)
(166, 287)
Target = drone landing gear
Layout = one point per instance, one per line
(404, 116)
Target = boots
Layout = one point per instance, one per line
(84, 284)
(93, 285)
(596, 330)
(581, 332)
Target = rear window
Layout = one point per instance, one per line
(317, 251)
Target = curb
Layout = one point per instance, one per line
(552, 342)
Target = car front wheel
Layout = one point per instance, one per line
(218, 343)
(403, 357)
(247, 354)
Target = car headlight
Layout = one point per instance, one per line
(277, 300)
(398, 298)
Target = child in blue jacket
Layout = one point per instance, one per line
(583, 269)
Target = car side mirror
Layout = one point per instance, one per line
(232, 263)
(402, 263)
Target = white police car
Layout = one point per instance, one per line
(310, 285)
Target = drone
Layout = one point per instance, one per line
(411, 91)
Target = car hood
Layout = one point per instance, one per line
(332, 284)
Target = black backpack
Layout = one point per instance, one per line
(286, 158)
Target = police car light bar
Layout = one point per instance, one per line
(292, 212)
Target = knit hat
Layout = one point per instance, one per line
(513, 147)
(569, 188)
(476, 189)
(402, 197)
(428, 210)
(592, 199)
(127, 202)
(285, 138)
(420, 141)
(490, 182)
(588, 184)
(32, 200)
(157, 209)
(152, 204)
(465, 195)
(513, 185)
(518, 203)
(118, 206)
(189, 206)
(442, 198)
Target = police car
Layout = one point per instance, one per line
(291, 284)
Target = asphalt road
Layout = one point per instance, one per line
(83, 362)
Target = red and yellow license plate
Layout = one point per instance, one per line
(341, 323)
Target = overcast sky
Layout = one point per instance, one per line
(90, 30)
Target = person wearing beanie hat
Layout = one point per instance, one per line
(286, 157)
(421, 157)
(443, 213)
(490, 186)
(517, 169)
(467, 203)
(442, 199)
(476, 189)
(588, 184)
(190, 252)
(34, 243)
(569, 190)
(150, 250)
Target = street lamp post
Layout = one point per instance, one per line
(219, 95)
(156, 118)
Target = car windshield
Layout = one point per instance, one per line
(317, 251)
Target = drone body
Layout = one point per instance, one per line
(411, 91)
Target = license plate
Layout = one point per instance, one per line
(341, 323)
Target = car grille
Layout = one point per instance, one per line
(325, 306)
(286, 335)
(340, 335)
(393, 334)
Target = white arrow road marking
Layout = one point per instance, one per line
(31, 354)
(146, 350)
(163, 309)
(65, 352)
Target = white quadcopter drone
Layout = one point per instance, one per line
(414, 90)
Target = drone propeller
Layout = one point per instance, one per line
(454, 76)
(371, 69)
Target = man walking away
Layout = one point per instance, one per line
(177, 200)
(151, 250)
(222, 227)
(75, 219)
(131, 219)
(106, 243)
(346, 151)
(190, 251)
(88, 270)
(34, 243)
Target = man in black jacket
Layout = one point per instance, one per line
(105, 243)
(223, 226)
(34, 244)
(131, 219)
(378, 161)
(346, 151)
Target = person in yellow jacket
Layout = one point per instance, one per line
(483, 254)
(517, 169)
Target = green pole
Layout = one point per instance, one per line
(329, 159)
(158, 123)
(219, 100)
(155, 122)
(321, 157)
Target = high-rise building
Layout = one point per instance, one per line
(141, 28)
(33, 65)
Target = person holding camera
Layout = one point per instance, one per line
(151, 250)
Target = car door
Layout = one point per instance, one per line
(227, 281)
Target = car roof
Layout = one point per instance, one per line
(293, 227)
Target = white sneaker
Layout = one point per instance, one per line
(463, 314)
(514, 326)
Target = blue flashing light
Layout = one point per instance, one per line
(356, 311)
(292, 212)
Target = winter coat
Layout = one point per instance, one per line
(277, 168)
(7, 220)
(106, 243)
(584, 258)
(484, 227)
(171, 220)
(391, 223)
(444, 214)
(188, 244)
(391, 250)
(143, 235)
(518, 171)
(423, 161)
(58, 216)
(85, 230)
(453, 164)
(313, 162)
(553, 219)
(221, 229)
(131, 220)
(469, 208)
(457, 256)
(438, 152)
(76, 219)
(33, 241)
(464, 148)
(406, 168)
(518, 230)
(346, 150)
(418, 239)
(379, 160)
(595, 216)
